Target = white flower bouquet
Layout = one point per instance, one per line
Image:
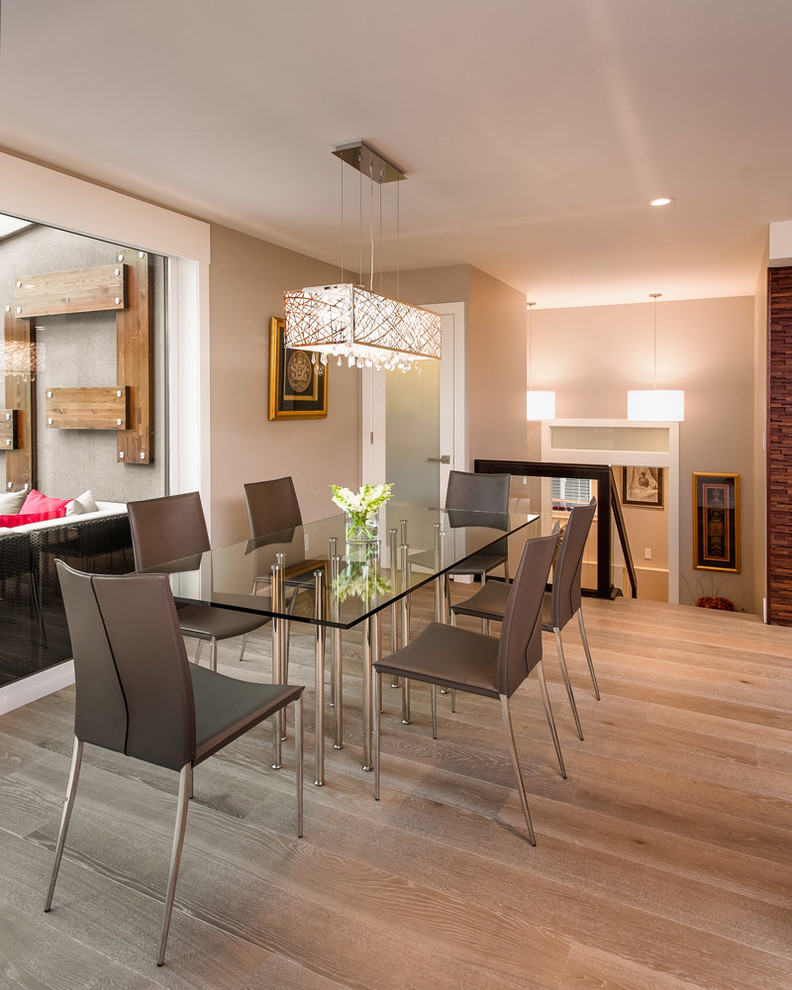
(360, 507)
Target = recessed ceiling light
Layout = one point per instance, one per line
(662, 201)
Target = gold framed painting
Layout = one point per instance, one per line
(716, 522)
(298, 385)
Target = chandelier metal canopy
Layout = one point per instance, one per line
(349, 321)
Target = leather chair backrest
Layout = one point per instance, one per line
(479, 492)
(565, 599)
(133, 691)
(273, 510)
(168, 528)
(520, 647)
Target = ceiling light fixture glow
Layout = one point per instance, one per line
(662, 201)
(539, 405)
(655, 405)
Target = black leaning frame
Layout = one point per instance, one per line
(601, 473)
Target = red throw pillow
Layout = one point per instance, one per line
(36, 502)
(22, 519)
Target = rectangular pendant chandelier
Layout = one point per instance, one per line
(349, 321)
(358, 324)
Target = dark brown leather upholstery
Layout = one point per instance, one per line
(137, 694)
(467, 661)
(559, 606)
(479, 500)
(170, 533)
(273, 509)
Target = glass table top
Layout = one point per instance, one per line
(358, 580)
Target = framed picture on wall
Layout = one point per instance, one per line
(642, 486)
(716, 522)
(298, 385)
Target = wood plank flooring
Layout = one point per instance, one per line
(664, 861)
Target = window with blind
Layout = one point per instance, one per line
(572, 490)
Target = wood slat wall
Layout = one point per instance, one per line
(20, 378)
(136, 360)
(87, 408)
(779, 446)
(86, 290)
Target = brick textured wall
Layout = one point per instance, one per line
(779, 446)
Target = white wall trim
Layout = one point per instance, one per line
(36, 686)
(44, 195)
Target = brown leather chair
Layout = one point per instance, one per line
(470, 497)
(560, 605)
(460, 660)
(171, 530)
(136, 694)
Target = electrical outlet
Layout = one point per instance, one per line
(647, 553)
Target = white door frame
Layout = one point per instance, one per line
(453, 404)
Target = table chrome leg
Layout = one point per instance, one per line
(405, 639)
(276, 592)
(369, 636)
(338, 663)
(319, 647)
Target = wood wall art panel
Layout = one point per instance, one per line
(136, 359)
(9, 426)
(20, 379)
(87, 408)
(779, 447)
(86, 290)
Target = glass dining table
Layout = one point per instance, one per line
(351, 585)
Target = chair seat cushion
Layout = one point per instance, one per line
(489, 603)
(479, 563)
(226, 707)
(203, 622)
(450, 657)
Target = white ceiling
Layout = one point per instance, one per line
(533, 132)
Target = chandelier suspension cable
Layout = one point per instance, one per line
(341, 164)
(655, 296)
(371, 226)
(530, 306)
(398, 240)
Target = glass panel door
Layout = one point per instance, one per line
(412, 433)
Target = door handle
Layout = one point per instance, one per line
(442, 459)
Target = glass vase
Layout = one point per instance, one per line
(361, 536)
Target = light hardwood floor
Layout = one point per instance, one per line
(664, 862)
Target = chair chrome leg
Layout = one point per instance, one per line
(434, 710)
(68, 804)
(507, 724)
(298, 757)
(405, 701)
(214, 654)
(567, 685)
(550, 719)
(242, 648)
(198, 650)
(376, 734)
(185, 785)
(453, 699)
(584, 637)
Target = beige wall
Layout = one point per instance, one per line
(496, 358)
(246, 282)
(592, 355)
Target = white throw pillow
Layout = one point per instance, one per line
(83, 503)
(11, 502)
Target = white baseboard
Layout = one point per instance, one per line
(36, 686)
